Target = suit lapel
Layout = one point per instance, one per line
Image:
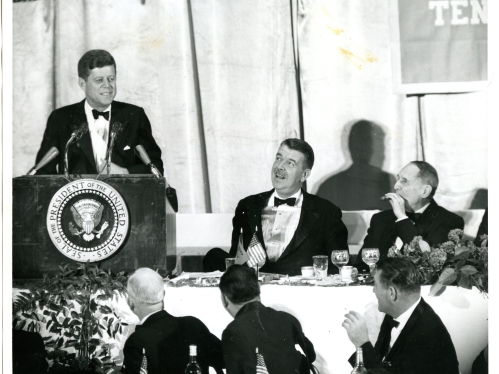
(85, 143)
(255, 215)
(427, 219)
(413, 319)
(308, 218)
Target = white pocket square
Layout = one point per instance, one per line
(126, 148)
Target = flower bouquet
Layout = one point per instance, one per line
(455, 262)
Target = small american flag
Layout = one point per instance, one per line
(143, 367)
(256, 252)
(241, 255)
(261, 368)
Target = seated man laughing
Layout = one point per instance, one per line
(291, 224)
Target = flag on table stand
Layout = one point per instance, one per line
(261, 368)
(143, 367)
(241, 255)
(256, 252)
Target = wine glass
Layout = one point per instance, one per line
(340, 258)
(370, 256)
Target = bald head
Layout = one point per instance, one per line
(146, 287)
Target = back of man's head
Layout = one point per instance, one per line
(304, 148)
(95, 58)
(239, 284)
(428, 174)
(146, 287)
(400, 273)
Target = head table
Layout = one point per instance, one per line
(321, 312)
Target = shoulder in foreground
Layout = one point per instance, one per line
(122, 105)
(320, 202)
(257, 197)
(449, 214)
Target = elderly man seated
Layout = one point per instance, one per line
(165, 338)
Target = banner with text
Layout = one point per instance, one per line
(439, 45)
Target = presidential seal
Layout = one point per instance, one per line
(87, 220)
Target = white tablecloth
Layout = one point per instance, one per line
(321, 312)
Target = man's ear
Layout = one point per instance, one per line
(82, 83)
(305, 175)
(426, 191)
(393, 294)
(225, 302)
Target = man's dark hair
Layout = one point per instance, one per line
(95, 58)
(428, 175)
(239, 284)
(304, 148)
(400, 273)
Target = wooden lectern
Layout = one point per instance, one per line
(151, 240)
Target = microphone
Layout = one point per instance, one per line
(49, 156)
(76, 135)
(141, 152)
(115, 130)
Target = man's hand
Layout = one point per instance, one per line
(398, 204)
(115, 169)
(356, 328)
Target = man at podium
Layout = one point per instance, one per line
(105, 119)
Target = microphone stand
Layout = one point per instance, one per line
(75, 136)
(117, 128)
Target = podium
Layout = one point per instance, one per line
(150, 241)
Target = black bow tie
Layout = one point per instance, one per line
(385, 333)
(96, 114)
(413, 216)
(393, 323)
(291, 201)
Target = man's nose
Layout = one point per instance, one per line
(106, 83)
(397, 185)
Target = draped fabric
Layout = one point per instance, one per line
(224, 82)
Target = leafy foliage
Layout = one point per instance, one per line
(71, 305)
(455, 262)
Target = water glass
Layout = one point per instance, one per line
(229, 262)
(320, 266)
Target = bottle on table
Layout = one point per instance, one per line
(192, 366)
(359, 367)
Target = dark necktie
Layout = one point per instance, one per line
(413, 216)
(291, 201)
(96, 114)
(385, 335)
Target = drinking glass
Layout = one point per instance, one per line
(370, 256)
(340, 258)
(258, 266)
(320, 266)
(229, 262)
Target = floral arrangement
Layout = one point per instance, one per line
(455, 262)
(71, 306)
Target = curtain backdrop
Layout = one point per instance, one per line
(224, 82)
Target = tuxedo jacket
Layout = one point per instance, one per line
(81, 160)
(433, 226)
(423, 346)
(274, 333)
(166, 340)
(319, 231)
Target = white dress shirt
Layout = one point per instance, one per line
(279, 224)
(399, 243)
(402, 319)
(99, 142)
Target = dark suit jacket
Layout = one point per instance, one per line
(319, 231)
(423, 346)
(28, 353)
(166, 340)
(483, 229)
(136, 130)
(433, 225)
(274, 333)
